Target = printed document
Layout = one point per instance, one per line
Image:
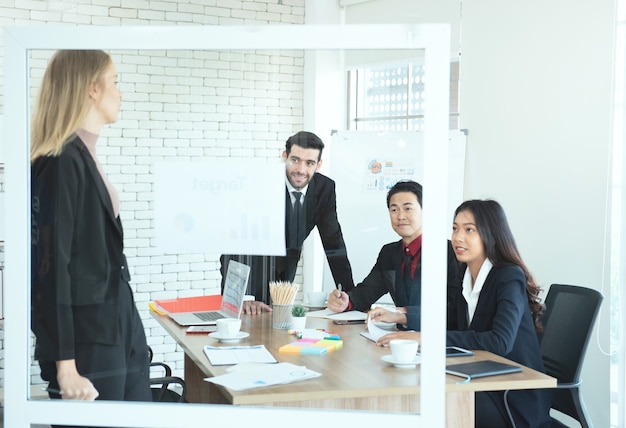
(259, 376)
(227, 355)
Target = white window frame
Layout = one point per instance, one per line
(19, 410)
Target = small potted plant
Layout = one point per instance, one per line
(298, 317)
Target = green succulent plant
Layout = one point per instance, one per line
(298, 311)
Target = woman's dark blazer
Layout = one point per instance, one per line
(503, 324)
(387, 272)
(77, 255)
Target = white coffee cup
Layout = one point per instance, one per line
(228, 327)
(403, 350)
(317, 299)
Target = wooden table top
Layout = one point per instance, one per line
(354, 371)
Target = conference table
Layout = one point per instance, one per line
(354, 377)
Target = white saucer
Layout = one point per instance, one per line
(314, 308)
(389, 359)
(229, 339)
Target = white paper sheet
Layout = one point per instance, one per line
(374, 331)
(257, 377)
(323, 313)
(225, 355)
(327, 313)
(348, 316)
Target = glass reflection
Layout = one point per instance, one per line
(198, 106)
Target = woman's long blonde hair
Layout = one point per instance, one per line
(64, 98)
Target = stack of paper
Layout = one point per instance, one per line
(256, 377)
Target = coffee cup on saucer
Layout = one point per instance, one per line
(228, 327)
(316, 299)
(403, 350)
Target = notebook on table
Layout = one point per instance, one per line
(232, 300)
(478, 369)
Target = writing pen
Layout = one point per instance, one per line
(340, 289)
(52, 390)
(317, 334)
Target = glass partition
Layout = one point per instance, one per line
(196, 95)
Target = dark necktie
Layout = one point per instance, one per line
(297, 220)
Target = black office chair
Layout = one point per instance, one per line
(568, 322)
(162, 393)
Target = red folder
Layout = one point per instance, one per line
(191, 304)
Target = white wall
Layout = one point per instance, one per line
(536, 99)
(411, 12)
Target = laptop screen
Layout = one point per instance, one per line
(234, 288)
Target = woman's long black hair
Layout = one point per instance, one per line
(500, 247)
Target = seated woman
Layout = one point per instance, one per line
(399, 265)
(497, 310)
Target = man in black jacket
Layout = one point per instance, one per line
(310, 201)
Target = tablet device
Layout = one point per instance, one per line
(455, 351)
(481, 369)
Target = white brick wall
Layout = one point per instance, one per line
(177, 104)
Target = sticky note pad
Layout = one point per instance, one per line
(313, 350)
(295, 347)
(306, 342)
(290, 349)
(331, 345)
(311, 346)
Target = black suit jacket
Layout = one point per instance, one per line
(386, 277)
(320, 205)
(503, 324)
(77, 255)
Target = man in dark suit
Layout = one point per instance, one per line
(310, 201)
(398, 269)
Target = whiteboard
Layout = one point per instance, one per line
(365, 165)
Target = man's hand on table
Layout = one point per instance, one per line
(252, 307)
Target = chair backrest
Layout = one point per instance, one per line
(568, 322)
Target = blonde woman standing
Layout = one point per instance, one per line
(90, 341)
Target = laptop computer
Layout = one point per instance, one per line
(232, 301)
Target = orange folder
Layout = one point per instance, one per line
(190, 304)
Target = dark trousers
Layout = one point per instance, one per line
(490, 411)
(120, 372)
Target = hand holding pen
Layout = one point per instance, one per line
(337, 300)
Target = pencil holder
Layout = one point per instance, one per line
(281, 316)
